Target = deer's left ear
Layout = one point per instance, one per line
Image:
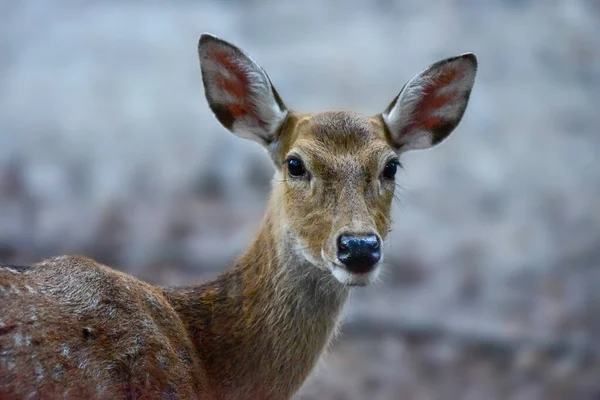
(431, 104)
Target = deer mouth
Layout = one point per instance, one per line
(349, 278)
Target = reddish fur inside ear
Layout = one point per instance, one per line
(424, 115)
(234, 82)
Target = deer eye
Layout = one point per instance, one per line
(295, 167)
(389, 172)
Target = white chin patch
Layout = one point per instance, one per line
(350, 279)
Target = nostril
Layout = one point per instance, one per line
(373, 242)
(343, 242)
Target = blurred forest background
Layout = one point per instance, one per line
(492, 285)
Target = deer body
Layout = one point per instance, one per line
(72, 328)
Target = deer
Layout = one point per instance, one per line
(73, 328)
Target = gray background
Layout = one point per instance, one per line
(108, 149)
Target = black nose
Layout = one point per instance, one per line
(359, 253)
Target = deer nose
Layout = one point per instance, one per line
(359, 253)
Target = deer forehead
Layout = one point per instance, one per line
(335, 140)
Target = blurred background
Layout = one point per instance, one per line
(492, 285)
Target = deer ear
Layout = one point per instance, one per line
(239, 91)
(431, 104)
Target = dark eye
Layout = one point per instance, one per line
(389, 172)
(295, 167)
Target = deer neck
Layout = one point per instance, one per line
(261, 326)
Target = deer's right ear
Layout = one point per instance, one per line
(239, 92)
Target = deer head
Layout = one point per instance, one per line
(336, 170)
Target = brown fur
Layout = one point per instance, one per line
(72, 328)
